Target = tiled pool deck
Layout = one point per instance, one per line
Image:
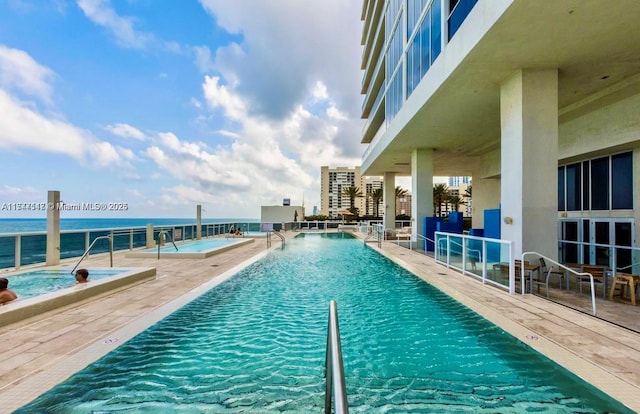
(46, 349)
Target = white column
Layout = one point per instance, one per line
(389, 200)
(485, 195)
(53, 228)
(421, 188)
(150, 241)
(529, 161)
(198, 222)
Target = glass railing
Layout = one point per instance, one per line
(22, 249)
(458, 15)
(479, 257)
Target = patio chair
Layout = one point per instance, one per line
(550, 271)
(624, 281)
(598, 273)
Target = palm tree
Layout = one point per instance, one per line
(456, 201)
(401, 192)
(440, 195)
(376, 197)
(352, 192)
(467, 192)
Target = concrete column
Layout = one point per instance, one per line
(485, 195)
(53, 228)
(150, 241)
(421, 188)
(529, 161)
(389, 200)
(198, 222)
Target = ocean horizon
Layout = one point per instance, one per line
(28, 225)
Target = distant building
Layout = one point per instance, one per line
(334, 180)
(403, 205)
(279, 214)
(370, 185)
(457, 181)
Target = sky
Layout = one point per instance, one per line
(163, 105)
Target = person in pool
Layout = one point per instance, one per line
(6, 294)
(82, 275)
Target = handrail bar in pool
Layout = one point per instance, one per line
(281, 237)
(86, 252)
(160, 233)
(333, 368)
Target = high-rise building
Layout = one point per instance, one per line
(333, 181)
(535, 100)
(456, 181)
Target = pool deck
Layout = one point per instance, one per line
(44, 350)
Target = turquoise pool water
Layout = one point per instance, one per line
(38, 282)
(256, 343)
(196, 246)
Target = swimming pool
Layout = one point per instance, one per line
(256, 343)
(42, 290)
(38, 282)
(194, 249)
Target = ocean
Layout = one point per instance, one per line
(31, 248)
(27, 225)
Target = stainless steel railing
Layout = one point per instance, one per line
(159, 240)
(86, 252)
(282, 239)
(334, 370)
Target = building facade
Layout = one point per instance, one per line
(535, 100)
(333, 181)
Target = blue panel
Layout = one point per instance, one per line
(430, 227)
(492, 230)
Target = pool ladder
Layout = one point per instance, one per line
(86, 252)
(333, 368)
(159, 240)
(277, 234)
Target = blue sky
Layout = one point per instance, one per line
(165, 104)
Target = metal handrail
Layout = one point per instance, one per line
(568, 269)
(627, 267)
(333, 368)
(279, 235)
(86, 252)
(160, 244)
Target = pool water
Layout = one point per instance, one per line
(196, 246)
(38, 282)
(256, 343)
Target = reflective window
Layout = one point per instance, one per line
(560, 188)
(586, 173)
(573, 186)
(600, 184)
(622, 181)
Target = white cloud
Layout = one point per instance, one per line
(22, 127)
(203, 59)
(220, 96)
(101, 13)
(20, 72)
(268, 159)
(125, 131)
(287, 48)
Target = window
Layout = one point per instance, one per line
(573, 187)
(561, 206)
(622, 181)
(604, 183)
(600, 184)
